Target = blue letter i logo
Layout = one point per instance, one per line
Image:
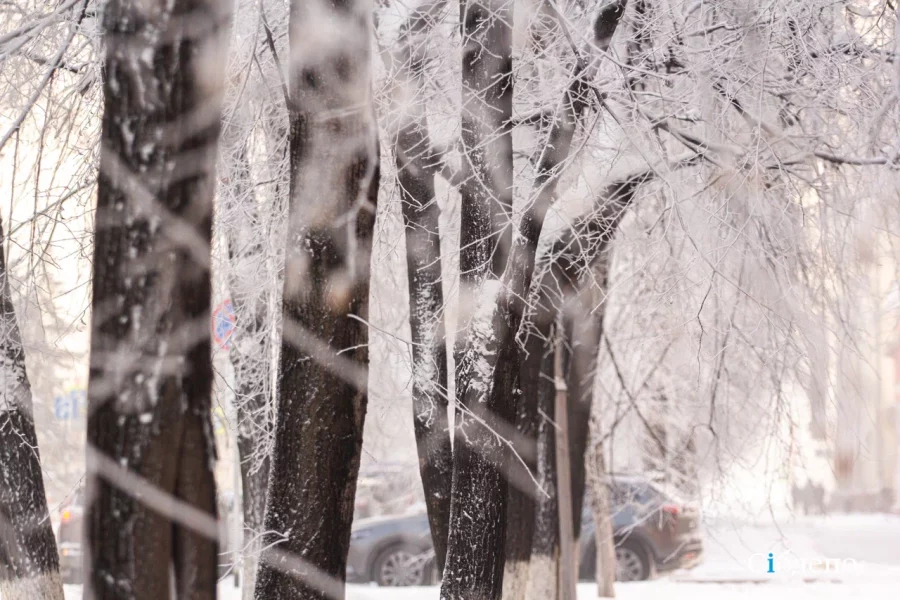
(771, 563)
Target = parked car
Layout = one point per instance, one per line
(653, 532)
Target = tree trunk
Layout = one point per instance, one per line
(583, 324)
(543, 576)
(254, 483)
(489, 367)
(415, 175)
(564, 289)
(149, 394)
(583, 317)
(474, 567)
(324, 356)
(520, 503)
(29, 562)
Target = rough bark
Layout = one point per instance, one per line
(474, 565)
(324, 356)
(415, 174)
(543, 576)
(564, 293)
(254, 483)
(489, 366)
(29, 562)
(521, 505)
(507, 319)
(520, 502)
(151, 374)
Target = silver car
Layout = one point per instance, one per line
(391, 551)
(653, 532)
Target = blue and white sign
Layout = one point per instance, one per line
(68, 407)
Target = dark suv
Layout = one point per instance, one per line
(653, 531)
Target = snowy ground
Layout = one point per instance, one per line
(862, 552)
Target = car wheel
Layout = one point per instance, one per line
(632, 562)
(400, 565)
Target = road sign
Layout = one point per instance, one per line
(223, 319)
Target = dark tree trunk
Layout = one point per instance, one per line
(487, 181)
(324, 356)
(149, 429)
(565, 290)
(568, 575)
(543, 577)
(521, 498)
(29, 563)
(488, 369)
(474, 566)
(415, 174)
(583, 325)
(490, 393)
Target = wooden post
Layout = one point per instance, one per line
(567, 568)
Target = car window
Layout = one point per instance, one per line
(641, 495)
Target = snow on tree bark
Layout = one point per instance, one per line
(415, 174)
(568, 296)
(474, 565)
(520, 509)
(29, 562)
(543, 575)
(149, 393)
(489, 365)
(324, 356)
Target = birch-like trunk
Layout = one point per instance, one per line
(151, 497)
(29, 562)
(322, 393)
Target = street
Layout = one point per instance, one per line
(859, 551)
